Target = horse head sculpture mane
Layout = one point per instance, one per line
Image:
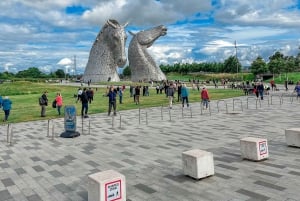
(142, 65)
(107, 53)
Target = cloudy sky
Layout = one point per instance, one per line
(48, 33)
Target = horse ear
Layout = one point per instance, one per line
(109, 22)
(133, 34)
(125, 24)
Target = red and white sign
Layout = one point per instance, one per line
(113, 191)
(263, 147)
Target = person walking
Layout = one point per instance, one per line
(43, 103)
(170, 94)
(179, 95)
(84, 104)
(297, 89)
(112, 94)
(261, 89)
(204, 97)
(137, 94)
(59, 103)
(6, 105)
(184, 95)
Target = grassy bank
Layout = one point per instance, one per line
(25, 107)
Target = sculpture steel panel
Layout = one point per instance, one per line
(107, 53)
(142, 65)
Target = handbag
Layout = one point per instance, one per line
(54, 104)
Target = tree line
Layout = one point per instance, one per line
(278, 63)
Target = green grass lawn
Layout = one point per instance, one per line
(25, 107)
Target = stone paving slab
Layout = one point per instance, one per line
(146, 145)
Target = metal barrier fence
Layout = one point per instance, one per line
(158, 114)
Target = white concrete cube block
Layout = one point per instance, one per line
(106, 186)
(254, 148)
(198, 163)
(292, 136)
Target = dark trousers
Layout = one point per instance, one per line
(84, 109)
(112, 104)
(185, 99)
(6, 112)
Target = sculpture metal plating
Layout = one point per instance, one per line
(142, 65)
(107, 53)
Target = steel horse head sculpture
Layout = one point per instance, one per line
(142, 65)
(107, 53)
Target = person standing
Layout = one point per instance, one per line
(120, 95)
(297, 89)
(185, 95)
(137, 94)
(59, 102)
(44, 103)
(112, 94)
(84, 104)
(6, 105)
(179, 95)
(170, 94)
(204, 97)
(261, 89)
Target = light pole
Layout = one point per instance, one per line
(237, 63)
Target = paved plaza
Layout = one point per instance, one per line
(146, 146)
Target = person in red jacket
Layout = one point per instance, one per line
(204, 97)
(59, 103)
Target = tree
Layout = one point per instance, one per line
(258, 66)
(31, 72)
(60, 73)
(127, 71)
(276, 63)
(232, 65)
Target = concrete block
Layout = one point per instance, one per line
(292, 136)
(198, 163)
(106, 186)
(254, 148)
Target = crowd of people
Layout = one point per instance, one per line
(173, 90)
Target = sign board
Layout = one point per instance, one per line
(70, 118)
(263, 147)
(113, 191)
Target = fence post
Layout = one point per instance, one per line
(48, 127)
(161, 112)
(8, 128)
(11, 136)
(120, 121)
(182, 112)
(139, 115)
(52, 130)
(113, 121)
(191, 112)
(89, 126)
(146, 118)
(170, 114)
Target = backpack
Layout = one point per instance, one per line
(54, 104)
(41, 101)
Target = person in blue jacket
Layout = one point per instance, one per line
(112, 94)
(184, 95)
(6, 105)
